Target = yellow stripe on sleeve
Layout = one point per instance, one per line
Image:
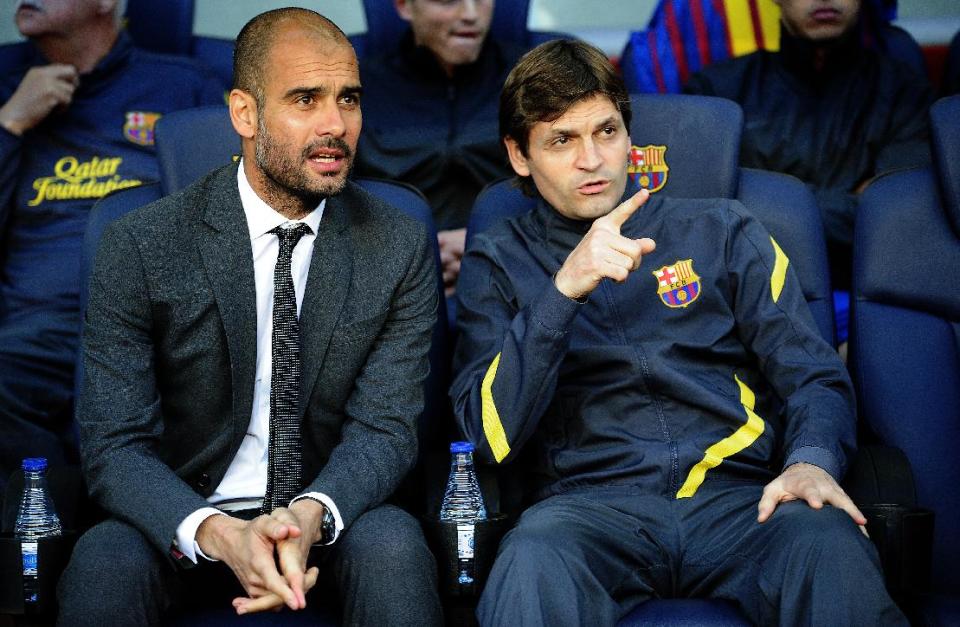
(492, 427)
(741, 439)
(779, 274)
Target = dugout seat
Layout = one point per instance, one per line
(905, 337)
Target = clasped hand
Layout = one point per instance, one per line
(604, 253)
(268, 555)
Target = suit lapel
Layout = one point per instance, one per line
(228, 261)
(328, 282)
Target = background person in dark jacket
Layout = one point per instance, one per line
(431, 114)
(680, 425)
(827, 110)
(76, 122)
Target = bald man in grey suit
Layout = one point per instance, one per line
(177, 411)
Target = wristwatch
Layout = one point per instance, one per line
(328, 527)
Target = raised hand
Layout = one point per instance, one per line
(42, 89)
(603, 253)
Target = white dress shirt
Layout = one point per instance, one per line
(245, 481)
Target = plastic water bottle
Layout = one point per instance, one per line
(463, 504)
(36, 519)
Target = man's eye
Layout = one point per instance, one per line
(350, 100)
(560, 141)
(306, 99)
(609, 130)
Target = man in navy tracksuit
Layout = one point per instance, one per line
(76, 122)
(680, 426)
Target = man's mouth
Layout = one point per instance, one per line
(594, 186)
(825, 15)
(329, 156)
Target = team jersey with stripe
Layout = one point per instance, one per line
(705, 364)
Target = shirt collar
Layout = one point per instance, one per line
(261, 217)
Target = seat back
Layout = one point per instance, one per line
(161, 26)
(905, 335)
(669, 133)
(192, 142)
(697, 134)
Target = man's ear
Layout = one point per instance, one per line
(243, 113)
(403, 8)
(517, 160)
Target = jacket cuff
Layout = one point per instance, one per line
(817, 456)
(554, 310)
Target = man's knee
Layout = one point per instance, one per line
(385, 571)
(113, 572)
(384, 539)
(829, 532)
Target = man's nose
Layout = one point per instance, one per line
(330, 121)
(588, 158)
(468, 10)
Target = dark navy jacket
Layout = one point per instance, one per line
(861, 115)
(51, 177)
(704, 364)
(437, 133)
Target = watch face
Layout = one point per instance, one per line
(328, 527)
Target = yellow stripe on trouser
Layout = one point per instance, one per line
(779, 274)
(492, 427)
(741, 439)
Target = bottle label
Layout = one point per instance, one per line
(29, 552)
(465, 534)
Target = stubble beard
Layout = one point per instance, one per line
(288, 188)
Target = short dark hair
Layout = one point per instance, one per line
(550, 79)
(256, 38)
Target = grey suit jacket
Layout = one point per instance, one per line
(169, 351)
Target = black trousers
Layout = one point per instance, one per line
(379, 572)
(589, 557)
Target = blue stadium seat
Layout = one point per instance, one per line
(167, 27)
(702, 134)
(192, 142)
(905, 336)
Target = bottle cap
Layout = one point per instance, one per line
(461, 447)
(33, 464)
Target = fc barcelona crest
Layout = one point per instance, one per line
(647, 167)
(678, 285)
(138, 127)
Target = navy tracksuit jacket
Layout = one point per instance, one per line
(705, 363)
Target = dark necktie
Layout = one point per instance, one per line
(283, 466)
